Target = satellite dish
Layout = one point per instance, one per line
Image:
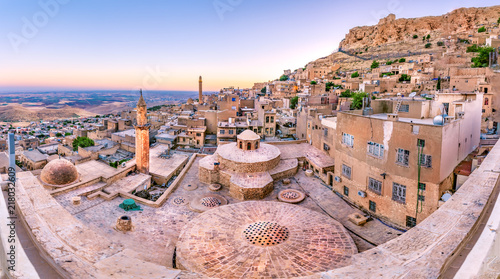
(413, 94)
(446, 197)
(123, 165)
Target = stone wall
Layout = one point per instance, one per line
(248, 167)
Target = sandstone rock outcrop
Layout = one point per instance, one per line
(390, 29)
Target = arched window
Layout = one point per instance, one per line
(249, 146)
(486, 101)
(241, 145)
(256, 145)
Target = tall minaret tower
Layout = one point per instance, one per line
(142, 137)
(200, 92)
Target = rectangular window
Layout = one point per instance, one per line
(375, 149)
(398, 193)
(404, 108)
(421, 143)
(426, 161)
(375, 185)
(346, 171)
(222, 132)
(421, 186)
(267, 119)
(446, 107)
(325, 131)
(403, 157)
(272, 119)
(411, 222)
(231, 132)
(348, 139)
(372, 206)
(346, 191)
(326, 147)
(233, 99)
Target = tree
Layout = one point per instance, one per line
(388, 63)
(346, 94)
(375, 64)
(428, 36)
(67, 134)
(357, 100)
(415, 36)
(440, 43)
(82, 142)
(473, 48)
(498, 21)
(481, 29)
(438, 86)
(355, 75)
(293, 102)
(428, 45)
(314, 82)
(402, 60)
(483, 59)
(263, 90)
(328, 86)
(59, 135)
(284, 78)
(404, 77)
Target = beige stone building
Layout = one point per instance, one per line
(399, 165)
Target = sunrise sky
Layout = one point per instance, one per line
(166, 45)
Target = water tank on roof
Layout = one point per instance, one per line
(439, 120)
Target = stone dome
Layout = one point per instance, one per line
(248, 135)
(59, 172)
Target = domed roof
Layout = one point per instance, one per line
(59, 172)
(248, 135)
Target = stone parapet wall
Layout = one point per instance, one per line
(427, 250)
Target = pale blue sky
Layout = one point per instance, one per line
(166, 45)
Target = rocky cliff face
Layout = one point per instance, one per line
(390, 29)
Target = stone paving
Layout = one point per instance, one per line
(156, 230)
(263, 240)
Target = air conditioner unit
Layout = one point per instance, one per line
(362, 194)
(338, 179)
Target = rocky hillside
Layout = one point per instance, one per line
(390, 29)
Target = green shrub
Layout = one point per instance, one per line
(415, 36)
(481, 29)
(82, 142)
(355, 75)
(284, 78)
(405, 77)
(428, 45)
(314, 82)
(357, 100)
(402, 60)
(293, 102)
(346, 94)
(440, 43)
(375, 64)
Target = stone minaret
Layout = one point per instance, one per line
(200, 92)
(142, 137)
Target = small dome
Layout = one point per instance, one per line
(248, 135)
(59, 172)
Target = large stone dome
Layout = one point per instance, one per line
(59, 172)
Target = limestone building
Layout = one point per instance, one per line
(248, 167)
